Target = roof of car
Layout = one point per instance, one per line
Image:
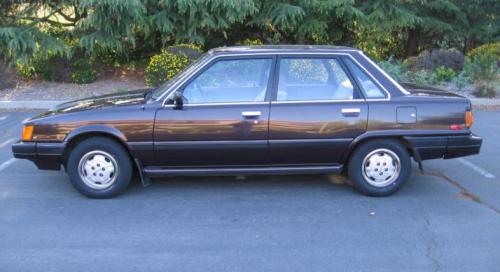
(281, 48)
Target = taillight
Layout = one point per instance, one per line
(27, 133)
(469, 119)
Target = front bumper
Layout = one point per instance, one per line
(46, 156)
(447, 147)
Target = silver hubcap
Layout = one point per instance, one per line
(98, 169)
(381, 167)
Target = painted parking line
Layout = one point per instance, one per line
(476, 168)
(8, 142)
(6, 164)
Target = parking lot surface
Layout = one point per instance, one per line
(446, 219)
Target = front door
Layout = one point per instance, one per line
(316, 113)
(224, 119)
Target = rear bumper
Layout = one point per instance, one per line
(447, 147)
(46, 156)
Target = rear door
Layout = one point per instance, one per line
(224, 119)
(316, 111)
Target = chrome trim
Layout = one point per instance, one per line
(351, 110)
(314, 101)
(251, 113)
(217, 55)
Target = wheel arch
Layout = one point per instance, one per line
(375, 136)
(82, 133)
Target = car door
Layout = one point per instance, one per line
(316, 111)
(224, 117)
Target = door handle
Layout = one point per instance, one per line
(351, 111)
(247, 114)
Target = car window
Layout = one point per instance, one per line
(242, 80)
(369, 88)
(313, 79)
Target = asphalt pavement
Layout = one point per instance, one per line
(446, 219)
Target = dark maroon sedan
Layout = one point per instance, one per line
(255, 110)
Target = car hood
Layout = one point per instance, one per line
(428, 91)
(109, 100)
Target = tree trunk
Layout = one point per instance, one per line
(411, 48)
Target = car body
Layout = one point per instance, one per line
(259, 110)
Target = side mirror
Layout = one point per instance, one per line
(178, 100)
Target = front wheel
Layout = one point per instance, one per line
(379, 167)
(99, 167)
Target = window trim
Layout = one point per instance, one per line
(212, 62)
(274, 55)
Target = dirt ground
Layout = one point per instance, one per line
(110, 82)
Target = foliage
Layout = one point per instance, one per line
(191, 51)
(422, 77)
(41, 38)
(133, 29)
(434, 58)
(395, 68)
(164, 66)
(486, 88)
(26, 71)
(482, 67)
(442, 73)
(52, 67)
(486, 49)
(83, 71)
(461, 80)
(249, 41)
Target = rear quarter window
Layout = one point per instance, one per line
(369, 88)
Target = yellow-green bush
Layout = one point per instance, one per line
(486, 49)
(482, 66)
(26, 70)
(249, 41)
(164, 66)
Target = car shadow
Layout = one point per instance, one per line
(235, 184)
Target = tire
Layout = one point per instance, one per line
(379, 167)
(92, 155)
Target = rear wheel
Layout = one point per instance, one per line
(379, 167)
(99, 167)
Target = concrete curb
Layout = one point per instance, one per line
(479, 103)
(36, 104)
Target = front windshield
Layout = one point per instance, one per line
(158, 92)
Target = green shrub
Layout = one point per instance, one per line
(421, 77)
(482, 67)
(443, 74)
(395, 68)
(164, 66)
(83, 71)
(461, 80)
(250, 41)
(52, 68)
(26, 70)
(192, 51)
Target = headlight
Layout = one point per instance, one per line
(27, 133)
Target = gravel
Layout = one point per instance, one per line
(44, 90)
